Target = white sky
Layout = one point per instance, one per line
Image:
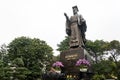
(44, 19)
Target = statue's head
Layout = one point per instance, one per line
(75, 9)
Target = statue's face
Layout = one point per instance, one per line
(75, 11)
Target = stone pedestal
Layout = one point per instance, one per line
(69, 58)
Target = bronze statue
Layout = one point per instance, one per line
(75, 29)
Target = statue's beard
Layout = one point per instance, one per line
(75, 13)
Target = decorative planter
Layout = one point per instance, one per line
(57, 66)
(83, 64)
(58, 71)
(83, 69)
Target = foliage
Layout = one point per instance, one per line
(56, 58)
(3, 51)
(64, 45)
(105, 67)
(3, 54)
(18, 62)
(1, 69)
(96, 48)
(31, 54)
(98, 77)
(113, 49)
(15, 73)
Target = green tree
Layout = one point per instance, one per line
(3, 60)
(105, 67)
(64, 45)
(29, 53)
(96, 48)
(3, 51)
(113, 48)
(1, 69)
(3, 54)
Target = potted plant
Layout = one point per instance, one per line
(57, 65)
(83, 64)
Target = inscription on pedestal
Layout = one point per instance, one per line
(71, 57)
(72, 54)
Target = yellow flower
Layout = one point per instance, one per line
(68, 76)
(74, 76)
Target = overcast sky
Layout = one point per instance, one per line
(44, 19)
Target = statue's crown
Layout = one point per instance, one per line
(75, 7)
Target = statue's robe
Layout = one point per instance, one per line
(74, 32)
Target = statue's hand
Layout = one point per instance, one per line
(67, 18)
(65, 14)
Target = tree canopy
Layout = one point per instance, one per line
(27, 58)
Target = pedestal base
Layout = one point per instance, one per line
(69, 58)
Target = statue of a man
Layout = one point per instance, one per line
(75, 29)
